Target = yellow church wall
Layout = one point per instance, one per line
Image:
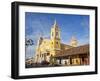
(55, 44)
(52, 53)
(45, 45)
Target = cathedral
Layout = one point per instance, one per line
(60, 52)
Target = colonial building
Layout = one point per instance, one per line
(74, 56)
(60, 52)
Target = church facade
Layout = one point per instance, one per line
(54, 51)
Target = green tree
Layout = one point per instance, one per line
(52, 60)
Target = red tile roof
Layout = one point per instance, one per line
(73, 51)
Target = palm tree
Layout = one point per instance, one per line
(28, 42)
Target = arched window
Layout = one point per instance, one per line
(56, 33)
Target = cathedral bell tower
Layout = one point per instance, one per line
(55, 37)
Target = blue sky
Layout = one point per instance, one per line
(39, 24)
